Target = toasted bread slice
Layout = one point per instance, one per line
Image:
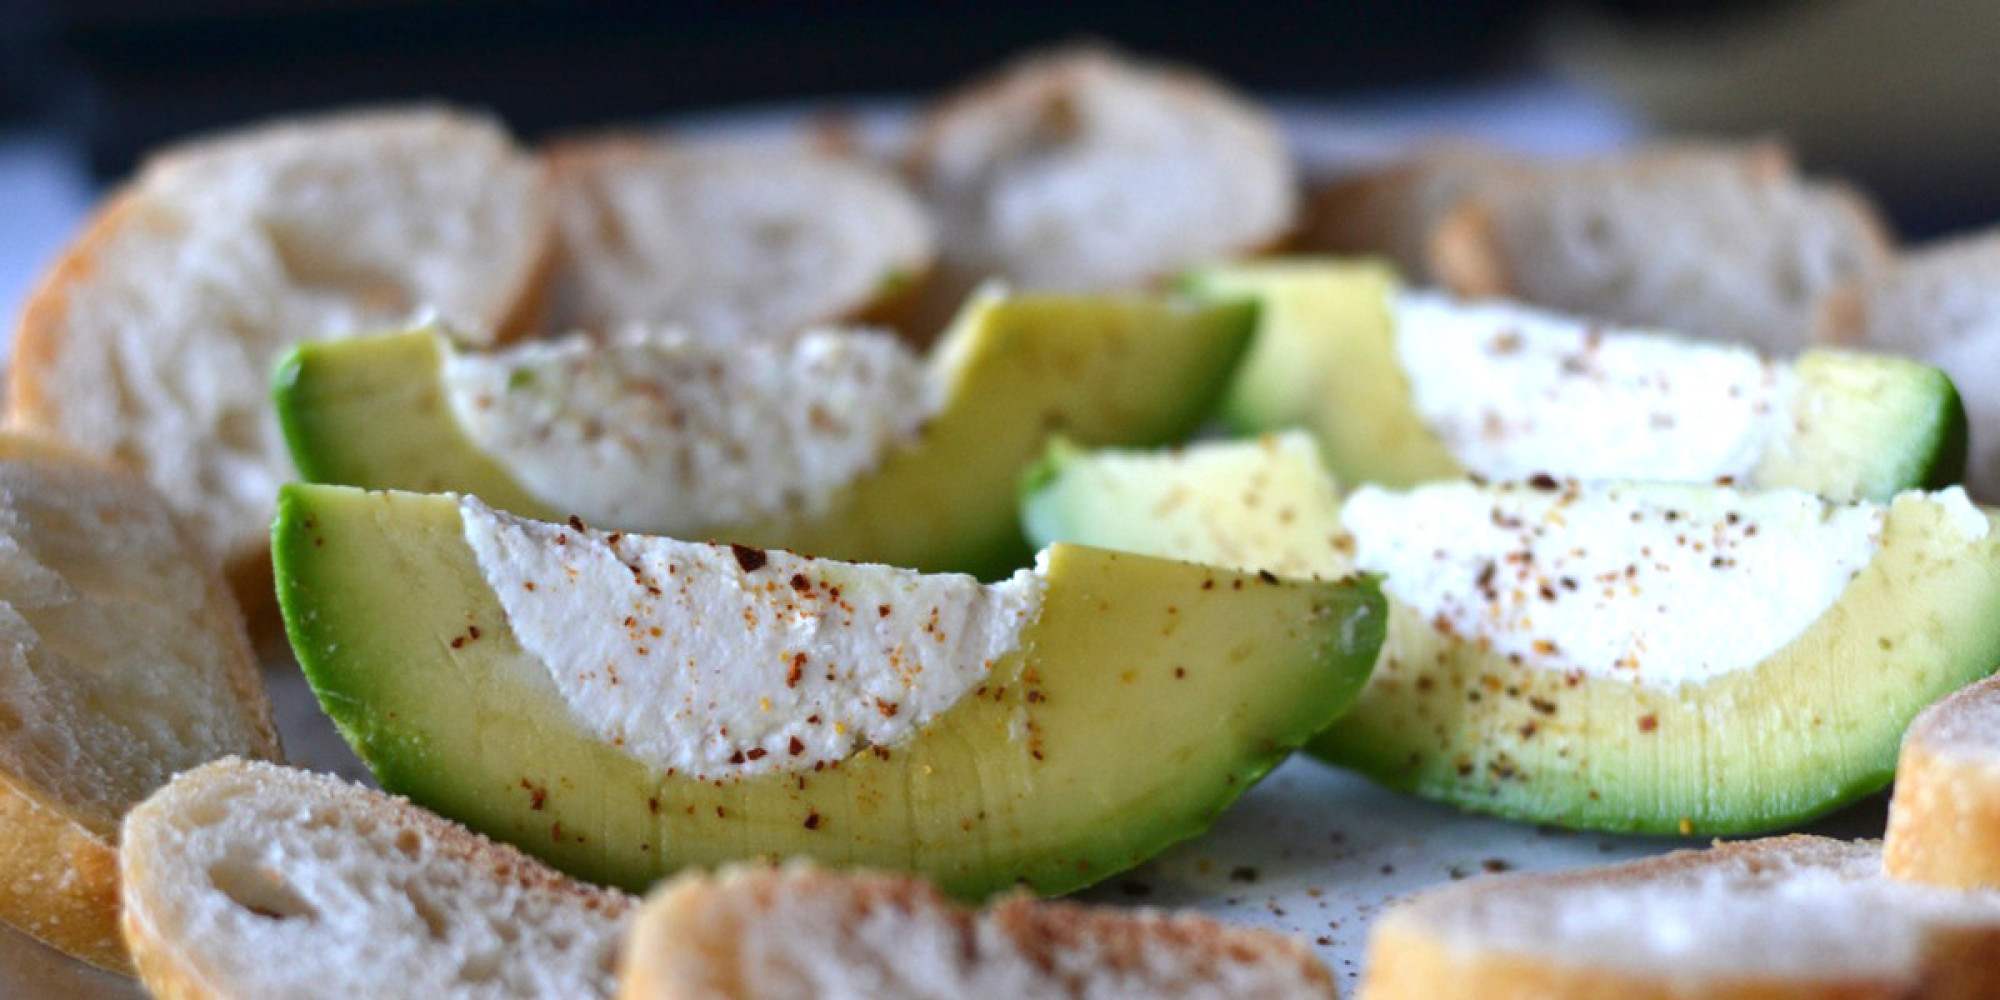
(1079, 170)
(730, 242)
(127, 661)
(248, 881)
(799, 932)
(1774, 919)
(1940, 304)
(152, 339)
(1393, 211)
(1722, 242)
(1944, 822)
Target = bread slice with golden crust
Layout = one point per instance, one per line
(125, 660)
(1785, 918)
(153, 337)
(1944, 821)
(1724, 242)
(1939, 304)
(1393, 211)
(730, 241)
(799, 933)
(249, 881)
(1082, 170)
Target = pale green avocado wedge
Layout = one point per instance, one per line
(1862, 427)
(1808, 729)
(1144, 698)
(371, 412)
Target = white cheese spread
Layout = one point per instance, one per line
(719, 661)
(1512, 391)
(1656, 585)
(658, 432)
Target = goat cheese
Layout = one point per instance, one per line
(719, 661)
(1656, 585)
(664, 433)
(1512, 391)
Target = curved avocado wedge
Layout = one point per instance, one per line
(1861, 427)
(371, 412)
(1809, 728)
(1143, 699)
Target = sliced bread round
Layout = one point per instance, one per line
(1940, 304)
(1944, 821)
(246, 881)
(800, 933)
(730, 242)
(1081, 170)
(1725, 243)
(153, 337)
(1392, 211)
(126, 661)
(1786, 918)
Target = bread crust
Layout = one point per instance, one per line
(1406, 964)
(58, 880)
(36, 336)
(1944, 821)
(1409, 959)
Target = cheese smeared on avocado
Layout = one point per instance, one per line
(1659, 587)
(1501, 385)
(718, 661)
(662, 431)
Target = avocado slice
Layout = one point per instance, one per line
(371, 412)
(1031, 778)
(1327, 358)
(1807, 728)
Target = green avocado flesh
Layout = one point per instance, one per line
(1144, 699)
(1811, 727)
(1865, 427)
(371, 412)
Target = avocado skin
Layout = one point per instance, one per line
(1150, 696)
(371, 412)
(1948, 457)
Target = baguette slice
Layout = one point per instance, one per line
(153, 337)
(731, 242)
(246, 881)
(1725, 243)
(1080, 170)
(126, 660)
(1393, 211)
(1775, 919)
(1940, 304)
(1944, 821)
(798, 932)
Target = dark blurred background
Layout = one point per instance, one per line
(1904, 94)
(125, 74)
